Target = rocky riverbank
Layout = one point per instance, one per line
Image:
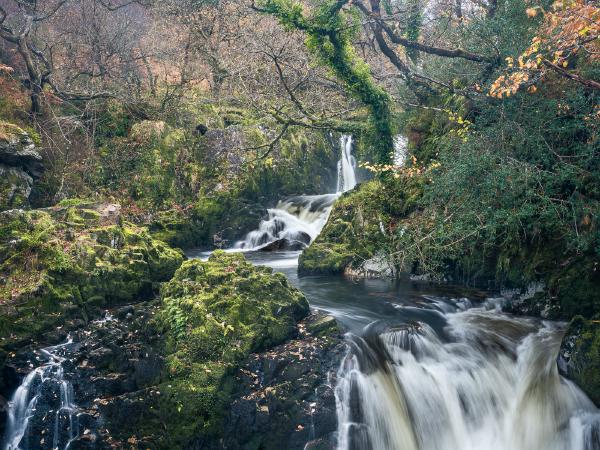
(229, 356)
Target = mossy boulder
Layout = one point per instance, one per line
(228, 300)
(66, 262)
(361, 226)
(214, 314)
(20, 165)
(579, 357)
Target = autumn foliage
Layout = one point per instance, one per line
(568, 38)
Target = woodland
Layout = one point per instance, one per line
(135, 131)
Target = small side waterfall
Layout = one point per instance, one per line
(487, 381)
(44, 400)
(296, 221)
(346, 166)
(400, 150)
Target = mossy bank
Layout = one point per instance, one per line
(62, 266)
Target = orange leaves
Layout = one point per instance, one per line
(531, 12)
(569, 27)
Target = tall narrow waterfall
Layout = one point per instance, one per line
(296, 221)
(346, 166)
(400, 150)
(44, 395)
(485, 381)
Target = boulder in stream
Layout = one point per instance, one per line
(283, 245)
(579, 357)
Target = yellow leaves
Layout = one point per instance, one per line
(531, 12)
(532, 89)
(398, 172)
(570, 27)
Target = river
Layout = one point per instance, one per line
(428, 368)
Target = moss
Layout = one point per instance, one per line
(11, 133)
(576, 286)
(15, 186)
(60, 263)
(214, 314)
(73, 202)
(361, 224)
(584, 362)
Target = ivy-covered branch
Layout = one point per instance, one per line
(330, 30)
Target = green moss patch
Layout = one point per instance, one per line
(362, 223)
(583, 367)
(215, 314)
(63, 263)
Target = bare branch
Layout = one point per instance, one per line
(572, 76)
(397, 39)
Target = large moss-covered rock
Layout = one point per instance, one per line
(361, 229)
(214, 314)
(66, 262)
(20, 164)
(579, 357)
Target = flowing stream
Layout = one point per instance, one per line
(44, 400)
(427, 368)
(296, 221)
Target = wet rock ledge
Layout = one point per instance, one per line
(229, 357)
(579, 357)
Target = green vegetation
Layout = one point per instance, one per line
(195, 129)
(64, 263)
(584, 355)
(330, 32)
(363, 223)
(214, 313)
(496, 192)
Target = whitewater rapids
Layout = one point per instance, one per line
(484, 381)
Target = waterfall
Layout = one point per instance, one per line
(400, 150)
(44, 395)
(487, 381)
(296, 221)
(346, 166)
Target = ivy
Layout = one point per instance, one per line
(329, 37)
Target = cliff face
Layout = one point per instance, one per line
(20, 165)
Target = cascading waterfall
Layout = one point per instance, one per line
(295, 222)
(346, 166)
(486, 381)
(400, 150)
(26, 417)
